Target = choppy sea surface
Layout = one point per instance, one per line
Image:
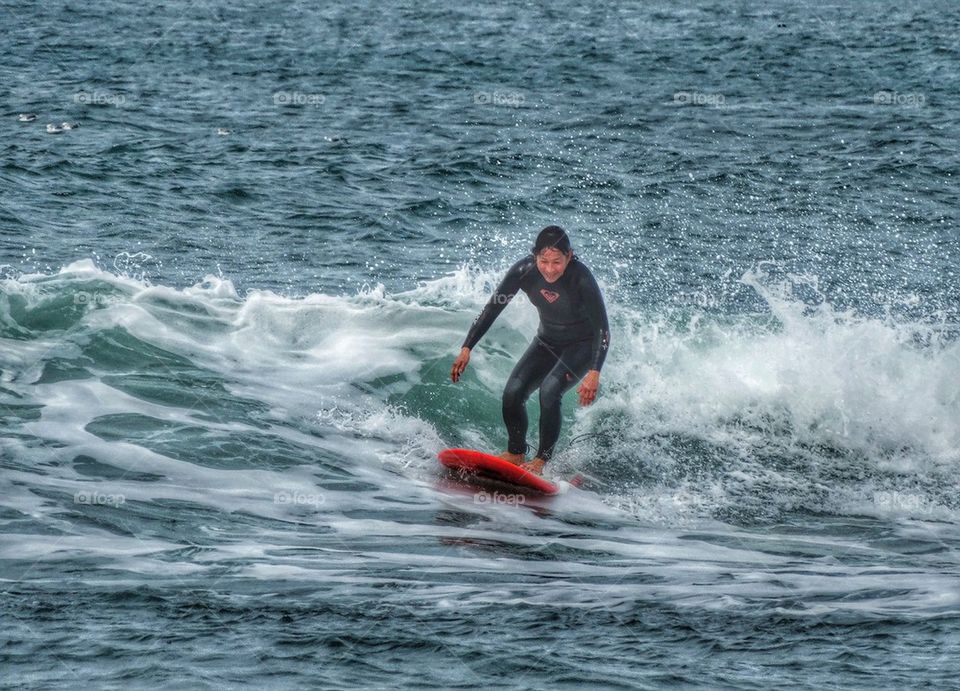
(230, 298)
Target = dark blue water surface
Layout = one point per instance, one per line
(230, 297)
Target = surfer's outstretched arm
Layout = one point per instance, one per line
(501, 297)
(597, 313)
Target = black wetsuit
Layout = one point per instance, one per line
(572, 339)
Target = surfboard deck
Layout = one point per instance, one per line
(471, 462)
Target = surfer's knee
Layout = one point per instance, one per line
(551, 391)
(513, 393)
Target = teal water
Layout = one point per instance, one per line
(230, 298)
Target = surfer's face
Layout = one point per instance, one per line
(552, 263)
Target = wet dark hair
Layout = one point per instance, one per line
(552, 237)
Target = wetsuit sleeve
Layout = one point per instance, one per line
(592, 300)
(501, 296)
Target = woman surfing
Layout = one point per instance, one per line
(571, 342)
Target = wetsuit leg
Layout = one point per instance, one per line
(571, 364)
(526, 376)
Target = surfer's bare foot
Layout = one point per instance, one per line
(535, 466)
(515, 458)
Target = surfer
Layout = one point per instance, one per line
(570, 345)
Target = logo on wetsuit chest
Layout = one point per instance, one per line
(549, 295)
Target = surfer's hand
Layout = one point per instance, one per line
(460, 364)
(588, 387)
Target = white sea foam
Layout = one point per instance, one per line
(336, 373)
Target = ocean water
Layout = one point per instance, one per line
(230, 298)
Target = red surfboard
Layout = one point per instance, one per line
(479, 463)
